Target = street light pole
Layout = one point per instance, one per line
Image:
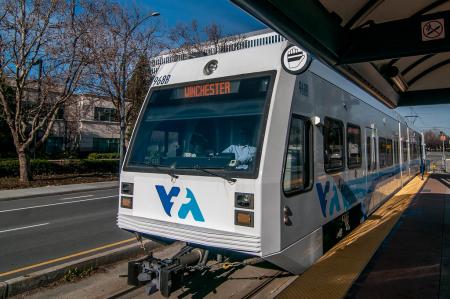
(39, 91)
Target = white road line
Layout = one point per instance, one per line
(76, 197)
(56, 204)
(23, 227)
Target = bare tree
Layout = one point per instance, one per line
(122, 39)
(432, 139)
(49, 35)
(187, 39)
(190, 40)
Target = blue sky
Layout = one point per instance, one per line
(223, 12)
(430, 117)
(234, 20)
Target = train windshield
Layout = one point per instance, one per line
(216, 125)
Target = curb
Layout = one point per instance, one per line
(44, 277)
(50, 193)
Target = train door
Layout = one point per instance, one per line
(371, 163)
(297, 181)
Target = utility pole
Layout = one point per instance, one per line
(414, 117)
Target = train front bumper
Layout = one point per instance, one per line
(242, 243)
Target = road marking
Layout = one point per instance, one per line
(23, 227)
(56, 204)
(76, 197)
(66, 257)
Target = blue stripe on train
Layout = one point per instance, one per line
(356, 190)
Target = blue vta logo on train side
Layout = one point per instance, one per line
(330, 197)
(334, 199)
(185, 208)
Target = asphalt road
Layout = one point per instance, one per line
(35, 231)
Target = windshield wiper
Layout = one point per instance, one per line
(155, 166)
(229, 179)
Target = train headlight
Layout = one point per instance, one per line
(126, 202)
(210, 67)
(244, 200)
(244, 218)
(127, 188)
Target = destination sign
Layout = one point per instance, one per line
(207, 89)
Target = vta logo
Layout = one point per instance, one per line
(185, 208)
(330, 197)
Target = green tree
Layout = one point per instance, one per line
(137, 88)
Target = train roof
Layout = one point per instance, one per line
(249, 55)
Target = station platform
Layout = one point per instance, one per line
(401, 251)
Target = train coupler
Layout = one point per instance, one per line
(165, 275)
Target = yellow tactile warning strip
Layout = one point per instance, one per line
(335, 272)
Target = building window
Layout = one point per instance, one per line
(54, 145)
(60, 114)
(297, 169)
(353, 146)
(105, 145)
(333, 144)
(105, 114)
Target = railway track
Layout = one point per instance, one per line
(257, 289)
(228, 289)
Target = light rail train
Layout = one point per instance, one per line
(261, 152)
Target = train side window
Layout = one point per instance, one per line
(389, 152)
(405, 151)
(333, 144)
(420, 148)
(369, 152)
(414, 148)
(382, 152)
(395, 150)
(353, 146)
(297, 168)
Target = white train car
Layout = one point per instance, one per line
(262, 151)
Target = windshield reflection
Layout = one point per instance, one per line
(211, 132)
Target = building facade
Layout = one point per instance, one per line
(87, 124)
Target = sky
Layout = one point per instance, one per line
(233, 21)
(223, 12)
(429, 117)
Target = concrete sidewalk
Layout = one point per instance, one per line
(414, 260)
(55, 190)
